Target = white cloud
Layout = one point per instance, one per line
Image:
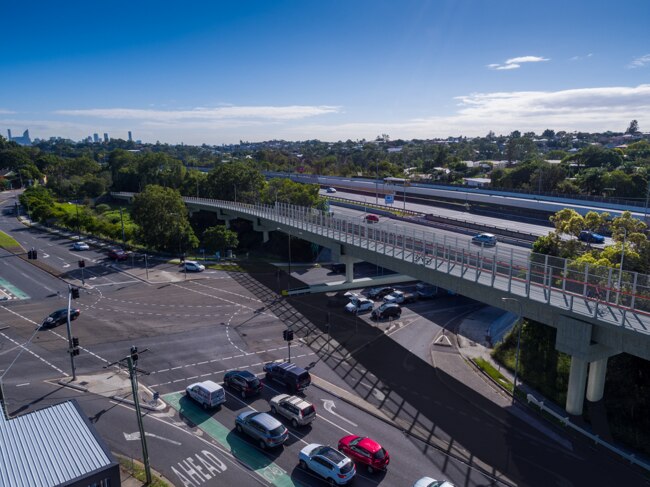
(6, 112)
(294, 112)
(639, 62)
(516, 62)
(580, 58)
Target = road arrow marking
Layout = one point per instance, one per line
(329, 406)
(136, 436)
(45, 256)
(66, 265)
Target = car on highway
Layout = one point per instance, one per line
(294, 378)
(591, 237)
(359, 305)
(429, 482)
(331, 190)
(243, 381)
(59, 317)
(328, 463)
(208, 394)
(386, 310)
(117, 254)
(80, 246)
(192, 266)
(486, 239)
(296, 409)
(371, 218)
(377, 293)
(365, 451)
(262, 427)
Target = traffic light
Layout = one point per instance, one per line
(32, 254)
(134, 354)
(75, 346)
(75, 292)
(287, 335)
(82, 263)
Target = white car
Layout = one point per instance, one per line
(485, 239)
(394, 297)
(80, 246)
(192, 266)
(429, 482)
(328, 463)
(331, 190)
(359, 305)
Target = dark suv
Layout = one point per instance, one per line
(294, 378)
(243, 381)
(387, 310)
(117, 254)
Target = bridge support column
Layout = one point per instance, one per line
(596, 382)
(349, 267)
(265, 236)
(577, 380)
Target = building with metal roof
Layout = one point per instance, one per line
(55, 446)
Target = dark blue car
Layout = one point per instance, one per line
(591, 237)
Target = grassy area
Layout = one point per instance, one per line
(226, 266)
(497, 376)
(6, 242)
(136, 469)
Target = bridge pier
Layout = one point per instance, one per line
(588, 362)
(349, 267)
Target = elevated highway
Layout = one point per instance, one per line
(598, 312)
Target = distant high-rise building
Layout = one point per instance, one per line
(130, 136)
(23, 140)
(106, 137)
(95, 137)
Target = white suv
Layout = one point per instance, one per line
(329, 463)
(359, 305)
(294, 408)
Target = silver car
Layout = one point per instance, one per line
(294, 408)
(263, 427)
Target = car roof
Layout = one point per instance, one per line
(266, 420)
(290, 366)
(333, 455)
(369, 445)
(297, 401)
(489, 235)
(208, 385)
(244, 374)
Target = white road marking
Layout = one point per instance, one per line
(34, 354)
(23, 384)
(329, 406)
(136, 436)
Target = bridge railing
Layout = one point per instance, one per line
(619, 297)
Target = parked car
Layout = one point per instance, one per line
(328, 463)
(425, 290)
(359, 305)
(365, 451)
(331, 190)
(294, 378)
(59, 317)
(387, 310)
(243, 381)
(299, 411)
(377, 293)
(591, 237)
(394, 297)
(207, 393)
(117, 254)
(263, 427)
(429, 482)
(80, 246)
(486, 239)
(192, 266)
(371, 218)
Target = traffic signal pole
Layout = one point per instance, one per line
(69, 330)
(136, 402)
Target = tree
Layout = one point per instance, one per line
(219, 238)
(568, 222)
(633, 128)
(161, 217)
(235, 181)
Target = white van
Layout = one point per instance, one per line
(208, 394)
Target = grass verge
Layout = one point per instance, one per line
(6, 242)
(136, 469)
(497, 376)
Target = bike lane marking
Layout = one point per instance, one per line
(236, 446)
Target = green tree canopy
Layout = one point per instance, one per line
(219, 238)
(235, 180)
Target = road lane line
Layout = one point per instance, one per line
(23, 384)
(35, 354)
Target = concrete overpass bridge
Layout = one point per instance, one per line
(598, 312)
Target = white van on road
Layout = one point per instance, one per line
(208, 394)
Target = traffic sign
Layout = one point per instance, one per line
(389, 199)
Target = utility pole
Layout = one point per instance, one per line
(122, 220)
(73, 342)
(136, 401)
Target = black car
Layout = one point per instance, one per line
(59, 317)
(387, 310)
(243, 381)
(378, 293)
(294, 378)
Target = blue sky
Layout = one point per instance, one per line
(222, 71)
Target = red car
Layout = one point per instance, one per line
(117, 254)
(365, 451)
(372, 218)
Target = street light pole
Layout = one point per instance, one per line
(520, 326)
(377, 184)
(647, 198)
(620, 269)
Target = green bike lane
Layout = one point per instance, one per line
(260, 462)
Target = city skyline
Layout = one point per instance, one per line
(288, 70)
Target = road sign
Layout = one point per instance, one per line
(389, 199)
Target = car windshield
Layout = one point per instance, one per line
(381, 454)
(253, 382)
(308, 410)
(277, 431)
(347, 468)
